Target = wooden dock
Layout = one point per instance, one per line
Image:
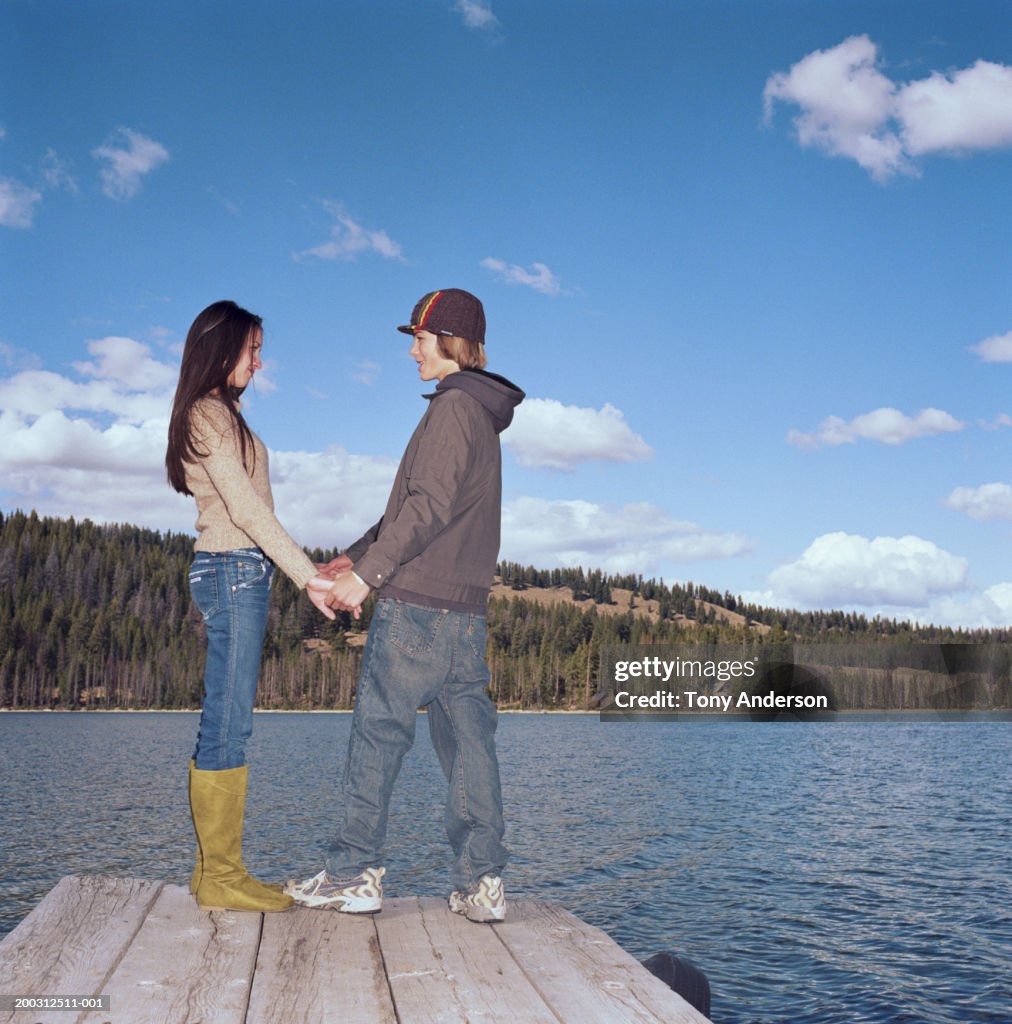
(161, 960)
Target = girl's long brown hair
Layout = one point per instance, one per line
(213, 346)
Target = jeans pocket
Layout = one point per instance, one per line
(477, 635)
(251, 571)
(412, 629)
(204, 589)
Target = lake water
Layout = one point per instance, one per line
(816, 872)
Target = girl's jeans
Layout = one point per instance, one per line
(231, 589)
(423, 657)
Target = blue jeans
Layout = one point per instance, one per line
(423, 657)
(232, 590)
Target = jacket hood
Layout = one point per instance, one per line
(497, 395)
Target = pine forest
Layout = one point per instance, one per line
(99, 616)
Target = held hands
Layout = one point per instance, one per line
(318, 588)
(345, 592)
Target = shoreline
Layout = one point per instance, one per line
(837, 717)
(256, 711)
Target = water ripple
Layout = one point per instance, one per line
(853, 873)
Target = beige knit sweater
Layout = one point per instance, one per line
(234, 509)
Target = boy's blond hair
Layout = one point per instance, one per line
(467, 354)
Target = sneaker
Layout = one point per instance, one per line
(360, 895)
(485, 901)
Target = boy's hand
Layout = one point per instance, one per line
(347, 592)
(340, 564)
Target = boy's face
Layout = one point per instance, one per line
(432, 364)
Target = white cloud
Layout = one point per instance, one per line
(72, 465)
(127, 362)
(348, 239)
(232, 207)
(1001, 420)
(17, 204)
(887, 425)
(353, 499)
(996, 349)
(973, 609)
(32, 393)
(638, 538)
(19, 358)
(92, 447)
(972, 109)
(845, 105)
(549, 435)
(56, 172)
(366, 372)
(128, 156)
(989, 501)
(476, 13)
(1001, 595)
(843, 570)
(970, 609)
(18, 200)
(539, 277)
(73, 442)
(849, 108)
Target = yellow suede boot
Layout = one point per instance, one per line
(199, 868)
(220, 880)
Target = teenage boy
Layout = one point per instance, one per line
(430, 559)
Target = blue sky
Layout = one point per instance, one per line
(750, 262)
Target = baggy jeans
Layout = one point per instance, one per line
(423, 657)
(232, 590)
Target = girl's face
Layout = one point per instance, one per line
(249, 361)
(432, 364)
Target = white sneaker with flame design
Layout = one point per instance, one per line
(360, 895)
(484, 902)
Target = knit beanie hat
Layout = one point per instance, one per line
(450, 311)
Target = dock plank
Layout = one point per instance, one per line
(443, 969)
(184, 966)
(162, 960)
(72, 941)
(320, 968)
(584, 975)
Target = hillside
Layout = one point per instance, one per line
(623, 601)
(100, 616)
